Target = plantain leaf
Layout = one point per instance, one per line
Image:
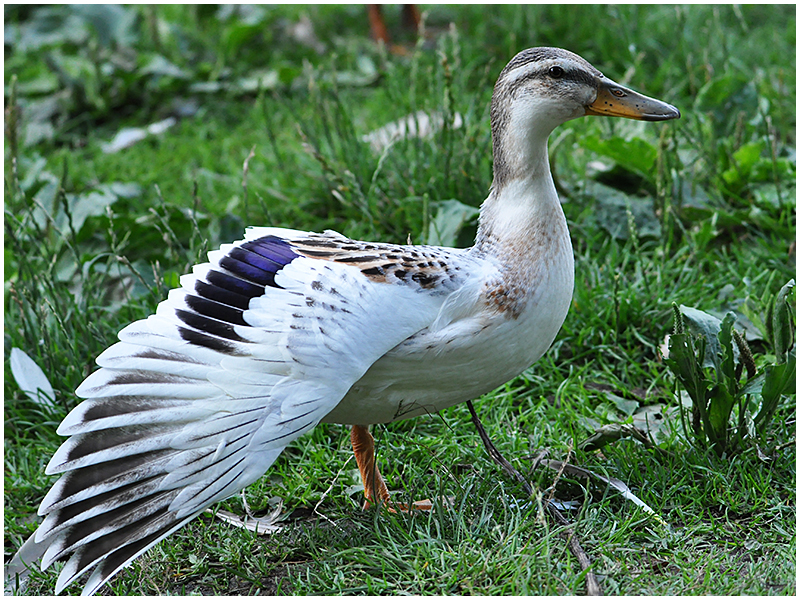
(450, 218)
(635, 154)
(708, 326)
(778, 380)
(782, 328)
(684, 361)
(720, 404)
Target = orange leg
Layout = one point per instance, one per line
(364, 449)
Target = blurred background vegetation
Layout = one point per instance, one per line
(139, 137)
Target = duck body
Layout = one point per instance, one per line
(486, 331)
(286, 329)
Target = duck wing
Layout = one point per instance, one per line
(198, 400)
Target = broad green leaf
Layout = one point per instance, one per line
(9, 265)
(113, 23)
(782, 328)
(612, 211)
(754, 385)
(725, 94)
(84, 206)
(237, 35)
(625, 406)
(708, 326)
(685, 364)
(657, 421)
(748, 155)
(288, 73)
(635, 154)
(778, 380)
(50, 26)
(46, 83)
(745, 158)
(720, 404)
(450, 218)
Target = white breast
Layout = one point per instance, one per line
(467, 357)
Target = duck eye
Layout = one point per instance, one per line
(556, 72)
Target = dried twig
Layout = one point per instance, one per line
(495, 454)
(592, 586)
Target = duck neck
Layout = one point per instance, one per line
(522, 210)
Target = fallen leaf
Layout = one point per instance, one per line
(618, 485)
(31, 379)
(417, 125)
(128, 136)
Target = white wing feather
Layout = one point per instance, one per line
(197, 401)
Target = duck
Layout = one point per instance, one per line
(286, 329)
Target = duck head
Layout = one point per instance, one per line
(542, 88)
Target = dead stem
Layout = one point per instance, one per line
(592, 586)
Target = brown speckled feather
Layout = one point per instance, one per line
(429, 267)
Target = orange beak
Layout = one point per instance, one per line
(614, 100)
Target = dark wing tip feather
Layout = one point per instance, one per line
(116, 549)
(77, 484)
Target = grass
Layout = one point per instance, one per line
(712, 200)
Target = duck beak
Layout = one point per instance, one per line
(614, 100)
